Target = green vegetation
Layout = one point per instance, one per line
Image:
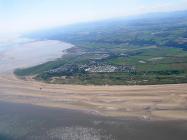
(144, 51)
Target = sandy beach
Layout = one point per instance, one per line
(143, 102)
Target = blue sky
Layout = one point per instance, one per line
(25, 15)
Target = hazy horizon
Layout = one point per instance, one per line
(20, 16)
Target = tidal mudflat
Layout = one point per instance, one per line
(28, 122)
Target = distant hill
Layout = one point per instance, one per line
(163, 29)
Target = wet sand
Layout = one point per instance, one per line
(28, 122)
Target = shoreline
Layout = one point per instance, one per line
(93, 113)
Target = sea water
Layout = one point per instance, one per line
(23, 52)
